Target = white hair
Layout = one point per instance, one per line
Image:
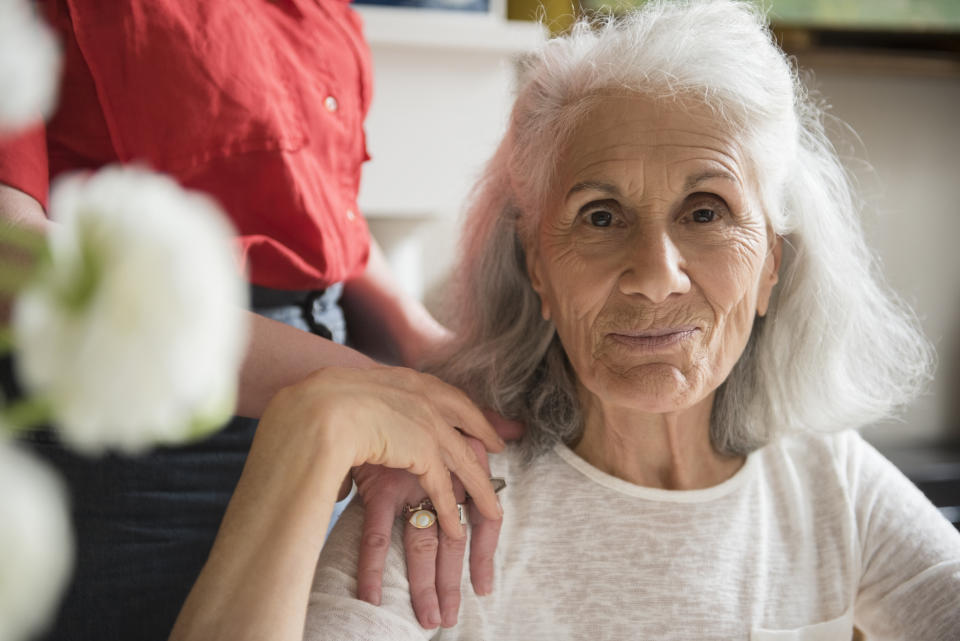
(837, 348)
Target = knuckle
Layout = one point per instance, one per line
(386, 481)
(320, 377)
(463, 455)
(424, 596)
(429, 379)
(449, 595)
(467, 402)
(412, 379)
(424, 546)
(368, 581)
(285, 395)
(469, 451)
(452, 546)
(376, 541)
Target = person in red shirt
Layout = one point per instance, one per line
(260, 104)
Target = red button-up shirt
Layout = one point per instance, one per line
(260, 104)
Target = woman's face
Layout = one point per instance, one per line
(654, 256)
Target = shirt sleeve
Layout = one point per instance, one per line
(335, 614)
(23, 162)
(910, 554)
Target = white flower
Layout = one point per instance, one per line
(29, 66)
(134, 330)
(36, 543)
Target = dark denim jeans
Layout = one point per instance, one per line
(144, 526)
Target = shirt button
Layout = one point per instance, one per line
(350, 214)
(330, 103)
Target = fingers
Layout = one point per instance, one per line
(434, 568)
(459, 410)
(450, 567)
(477, 481)
(506, 429)
(439, 487)
(421, 547)
(379, 515)
(466, 458)
(449, 570)
(484, 535)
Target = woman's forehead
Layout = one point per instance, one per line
(639, 137)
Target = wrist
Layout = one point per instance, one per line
(419, 335)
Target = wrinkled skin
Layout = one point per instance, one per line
(434, 560)
(652, 260)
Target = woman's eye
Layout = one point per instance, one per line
(703, 215)
(600, 218)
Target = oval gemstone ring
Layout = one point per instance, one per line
(424, 515)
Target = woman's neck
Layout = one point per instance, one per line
(669, 451)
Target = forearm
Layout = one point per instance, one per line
(256, 582)
(18, 208)
(383, 320)
(279, 355)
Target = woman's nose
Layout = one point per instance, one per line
(654, 268)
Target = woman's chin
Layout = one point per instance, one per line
(655, 388)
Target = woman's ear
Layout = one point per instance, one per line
(769, 276)
(535, 276)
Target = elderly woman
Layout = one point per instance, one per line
(664, 278)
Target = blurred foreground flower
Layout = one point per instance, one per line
(131, 332)
(29, 66)
(36, 545)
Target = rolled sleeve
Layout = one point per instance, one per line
(24, 164)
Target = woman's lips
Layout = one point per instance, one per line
(653, 339)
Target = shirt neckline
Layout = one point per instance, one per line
(653, 493)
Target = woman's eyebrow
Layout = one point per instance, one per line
(594, 185)
(695, 180)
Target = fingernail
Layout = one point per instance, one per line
(486, 587)
(499, 506)
(433, 619)
(502, 442)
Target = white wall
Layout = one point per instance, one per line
(440, 106)
(910, 131)
(442, 83)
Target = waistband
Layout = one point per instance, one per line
(268, 297)
(316, 311)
